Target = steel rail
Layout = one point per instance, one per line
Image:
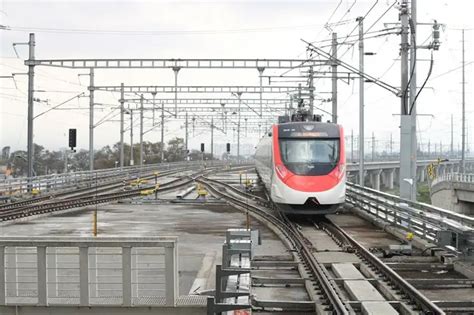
(91, 199)
(116, 183)
(290, 232)
(427, 306)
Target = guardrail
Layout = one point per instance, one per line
(426, 221)
(70, 271)
(46, 183)
(454, 177)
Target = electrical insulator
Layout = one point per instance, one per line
(435, 44)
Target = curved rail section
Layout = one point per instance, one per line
(424, 304)
(293, 236)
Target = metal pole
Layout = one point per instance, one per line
(391, 144)
(163, 131)
(412, 111)
(463, 140)
(352, 146)
(154, 100)
(405, 179)
(260, 71)
(186, 132)
(311, 92)
(131, 137)
(212, 138)
(141, 130)
(361, 101)
(91, 119)
(122, 101)
(373, 147)
(334, 77)
(31, 76)
(176, 70)
(239, 94)
(452, 137)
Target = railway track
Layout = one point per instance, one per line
(90, 199)
(324, 287)
(90, 196)
(293, 237)
(79, 192)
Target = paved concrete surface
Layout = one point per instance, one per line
(200, 229)
(378, 308)
(362, 291)
(347, 271)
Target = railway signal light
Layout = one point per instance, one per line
(72, 138)
(202, 147)
(228, 147)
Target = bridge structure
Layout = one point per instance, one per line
(454, 191)
(387, 173)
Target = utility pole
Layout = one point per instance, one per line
(141, 130)
(176, 70)
(212, 138)
(440, 148)
(186, 132)
(463, 134)
(131, 137)
(334, 77)
(154, 100)
(31, 77)
(429, 148)
(260, 72)
(163, 131)
(391, 144)
(452, 137)
(311, 92)
(91, 119)
(239, 94)
(412, 102)
(361, 101)
(352, 146)
(373, 147)
(122, 109)
(407, 182)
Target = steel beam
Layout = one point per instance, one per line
(198, 89)
(181, 63)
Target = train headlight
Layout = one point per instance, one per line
(341, 171)
(282, 171)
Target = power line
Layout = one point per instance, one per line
(159, 32)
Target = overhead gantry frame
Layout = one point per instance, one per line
(174, 64)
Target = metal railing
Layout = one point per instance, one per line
(110, 271)
(426, 221)
(454, 177)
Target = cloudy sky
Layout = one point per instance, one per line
(223, 29)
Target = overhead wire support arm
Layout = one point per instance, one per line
(345, 65)
(60, 104)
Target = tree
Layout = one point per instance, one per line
(175, 150)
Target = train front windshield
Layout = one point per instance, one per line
(310, 157)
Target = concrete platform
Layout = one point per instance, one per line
(378, 308)
(200, 230)
(336, 257)
(362, 291)
(347, 271)
(321, 240)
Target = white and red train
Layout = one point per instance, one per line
(303, 166)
